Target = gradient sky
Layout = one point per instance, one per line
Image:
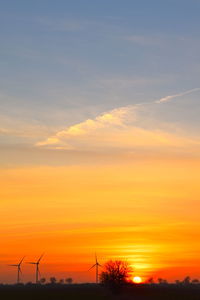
(99, 136)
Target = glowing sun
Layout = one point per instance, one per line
(137, 279)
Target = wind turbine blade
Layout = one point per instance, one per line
(21, 261)
(32, 263)
(96, 258)
(13, 265)
(92, 267)
(20, 271)
(40, 258)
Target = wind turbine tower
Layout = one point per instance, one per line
(37, 263)
(97, 265)
(19, 271)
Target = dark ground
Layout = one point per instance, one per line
(94, 292)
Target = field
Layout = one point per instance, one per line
(94, 292)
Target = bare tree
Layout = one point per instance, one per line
(160, 280)
(186, 280)
(115, 274)
(53, 280)
(150, 280)
(195, 281)
(42, 280)
(61, 281)
(69, 280)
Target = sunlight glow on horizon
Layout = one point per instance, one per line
(143, 228)
(137, 279)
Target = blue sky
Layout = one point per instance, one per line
(63, 62)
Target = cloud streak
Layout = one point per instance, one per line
(170, 97)
(114, 118)
(119, 128)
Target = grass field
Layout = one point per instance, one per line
(93, 292)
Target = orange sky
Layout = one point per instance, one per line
(145, 211)
(99, 137)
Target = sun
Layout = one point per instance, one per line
(137, 279)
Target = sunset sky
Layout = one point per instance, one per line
(100, 136)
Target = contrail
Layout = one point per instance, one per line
(169, 98)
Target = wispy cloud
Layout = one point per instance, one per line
(170, 97)
(114, 118)
(119, 128)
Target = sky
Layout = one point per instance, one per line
(99, 136)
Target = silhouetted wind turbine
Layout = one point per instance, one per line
(19, 271)
(97, 265)
(37, 263)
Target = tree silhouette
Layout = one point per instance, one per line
(42, 280)
(53, 280)
(115, 274)
(61, 281)
(150, 280)
(69, 280)
(160, 280)
(195, 281)
(186, 280)
(177, 281)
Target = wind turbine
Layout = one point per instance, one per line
(19, 271)
(37, 263)
(97, 265)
